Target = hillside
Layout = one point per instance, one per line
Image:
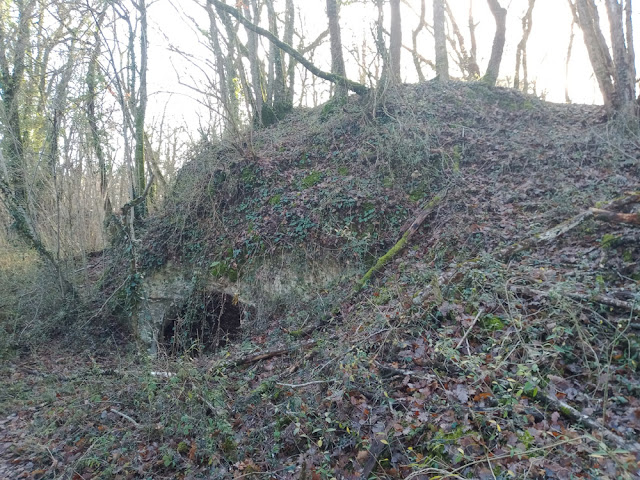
(500, 342)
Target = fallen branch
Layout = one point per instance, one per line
(568, 225)
(547, 236)
(300, 385)
(612, 217)
(442, 474)
(572, 414)
(376, 449)
(126, 417)
(267, 355)
(399, 246)
(627, 199)
(603, 299)
(466, 334)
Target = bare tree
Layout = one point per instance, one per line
(442, 58)
(417, 58)
(94, 131)
(614, 69)
(567, 98)
(395, 42)
(140, 109)
(500, 16)
(521, 52)
(331, 77)
(14, 44)
(337, 59)
(225, 68)
(474, 69)
(466, 60)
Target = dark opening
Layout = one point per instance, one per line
(208, 319)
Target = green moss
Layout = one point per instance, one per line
(344, 171)
(492, 323)
(386, 258)
(416, 195)
(220, 269)
(248, 175)
(382, 297)
(332, 106)
(275, 200)
(383, 260)
(312, 179)
(608, 240)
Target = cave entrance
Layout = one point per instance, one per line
(206, 320)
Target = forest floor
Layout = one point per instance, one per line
(502, 342)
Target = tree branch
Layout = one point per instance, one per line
(331, 77)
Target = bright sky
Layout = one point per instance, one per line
(547, 47)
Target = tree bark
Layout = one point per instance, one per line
(587, 18)
(395, 43)
(254, 61)
(500, 16)
(287, 67)
(331, 77)
(337, 59)
(11, 86)
(442, 58)
(624, 69)
(140, 111)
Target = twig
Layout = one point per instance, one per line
(603, 299)
(454, 473)
(265, 356)
(573, 414)
(290, 385)
(475, 320)
(567, 225)
(126, 417)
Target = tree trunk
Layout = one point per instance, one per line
(11, 86)
(232, 76)
(140, 111)
(500, 16)
(287, 67)
(254, 61)
(474, 69)
(337, 60)
(442, 58)
(395, 43)
(567, 98)
(96, 143)
(521, 52)
(587, 18)
(624, 69)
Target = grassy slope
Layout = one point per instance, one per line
(440, 361)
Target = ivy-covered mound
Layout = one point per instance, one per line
(500, 341)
